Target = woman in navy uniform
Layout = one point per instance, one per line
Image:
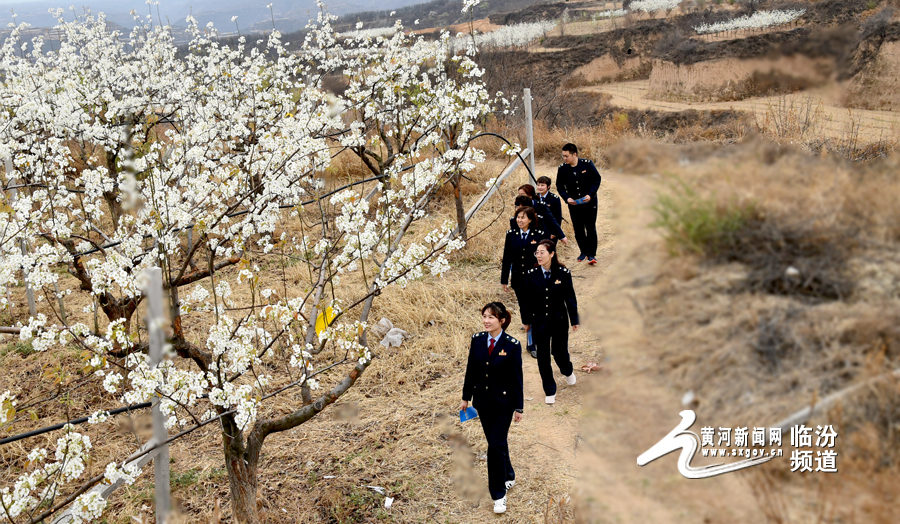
(550, 305)
(518, 254)
(545, 197)
(494, 379)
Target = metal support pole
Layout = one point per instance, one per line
(157, 339)
(529, 133)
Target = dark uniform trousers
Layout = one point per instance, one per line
(552, 340)
(495, 382)
(577, 182)
(495, 423)
(550, 304)
(584, 220)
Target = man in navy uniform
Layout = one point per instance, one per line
(577, 181)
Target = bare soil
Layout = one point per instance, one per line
(630, 408)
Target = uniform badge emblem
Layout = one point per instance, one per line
(502, 353)
(534, 241)
(557, 282)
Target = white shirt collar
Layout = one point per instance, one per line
(494, 339)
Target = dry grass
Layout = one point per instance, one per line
(592, 142)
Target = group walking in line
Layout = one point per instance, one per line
(547, 305)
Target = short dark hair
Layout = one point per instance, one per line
(530, 213)
(528, 188)
(544, 180)
(522, 200)
(498, 310)
(550, 246)
(571, 148)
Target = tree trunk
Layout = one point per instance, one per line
(460, 211)
(242, 464)
(115, 207)
(242, 481)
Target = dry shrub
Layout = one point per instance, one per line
(792, 118)
(799, 260)
(784, 257)
(815, 502)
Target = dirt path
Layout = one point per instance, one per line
(586, 445)
(833, 121)
(628, 408)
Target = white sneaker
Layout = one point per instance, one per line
(570, 380)
(500, 505)
(510, 484)
(551, 399)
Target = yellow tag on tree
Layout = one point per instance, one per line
(324, 320)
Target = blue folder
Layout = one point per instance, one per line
(468, 414)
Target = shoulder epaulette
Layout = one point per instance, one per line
(509, 231)
(565, 270)
(510, 338)
(532, 270)
(479, 334)
(562, 164)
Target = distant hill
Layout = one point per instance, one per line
(290, 15)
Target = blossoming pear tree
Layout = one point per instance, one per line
(126, 155)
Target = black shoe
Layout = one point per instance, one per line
(533, 350)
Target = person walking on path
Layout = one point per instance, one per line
(518, 254)
(578, 181)
(494, 385)
(552, 201)
(550, 304)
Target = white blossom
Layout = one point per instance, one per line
(759, 20)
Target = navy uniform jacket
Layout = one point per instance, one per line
(545, 216)
(550, 301)
(554, 204)
(579, 181)
(496, 380)
(518, 254)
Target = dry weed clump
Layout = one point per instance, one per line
(800, 121)
(791, 259)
